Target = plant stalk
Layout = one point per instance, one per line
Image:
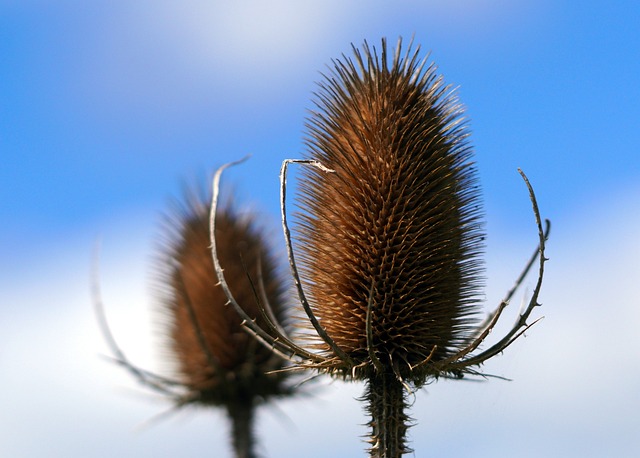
(385, 396)
(241, 414)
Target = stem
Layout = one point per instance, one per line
(241, 414)
(386, 403)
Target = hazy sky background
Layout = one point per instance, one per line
(106, 107)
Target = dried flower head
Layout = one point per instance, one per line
(397, 225)
(390, 237)
(217, 359)
(218, 363)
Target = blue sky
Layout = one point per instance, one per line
(106, 107)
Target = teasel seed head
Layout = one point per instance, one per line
(239, 362)
(390, 236)
(218, 362)
(396, 231)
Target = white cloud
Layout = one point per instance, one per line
(573, 390)
(164, 58)
(246, 34)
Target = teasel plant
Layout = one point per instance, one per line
(217, 363)
(390, 236)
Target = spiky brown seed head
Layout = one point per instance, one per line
(219, 363)
(400, 218)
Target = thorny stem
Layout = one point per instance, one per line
(241, 414)
(386, 403)
(292, 263)
(457, 361)
(521, 324)
(156, 382)
(280, 344)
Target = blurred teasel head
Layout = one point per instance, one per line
(390, 237)
(216, 357)
(216, 362)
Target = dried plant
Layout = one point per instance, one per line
(218, 363)
(390, 238)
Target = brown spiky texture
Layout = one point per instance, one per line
(218, 362)
(391, 240)
(398, 223)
